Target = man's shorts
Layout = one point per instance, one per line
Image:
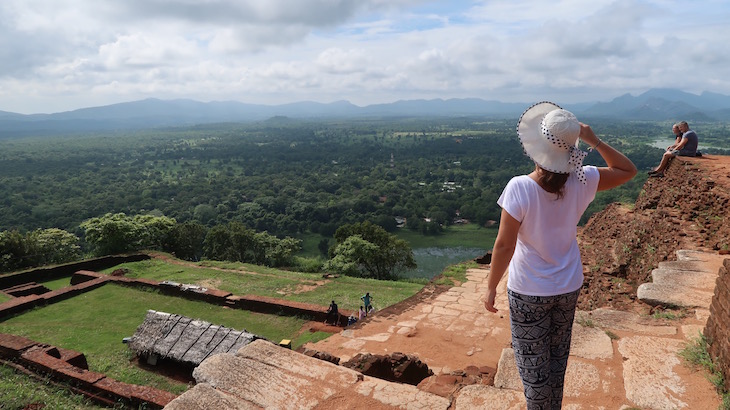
(684, 152)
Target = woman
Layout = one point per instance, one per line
(537, 241)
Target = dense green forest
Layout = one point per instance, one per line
(290, 177)
(280, 176)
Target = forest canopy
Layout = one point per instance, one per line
(213, 191)
(282, 176)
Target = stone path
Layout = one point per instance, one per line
(619, 360)
(452, 331)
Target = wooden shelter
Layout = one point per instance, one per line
(184, 340)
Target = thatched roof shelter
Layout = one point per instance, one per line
(170, 336)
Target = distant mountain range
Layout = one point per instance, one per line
(653, 105)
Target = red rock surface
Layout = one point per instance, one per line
(622, 244)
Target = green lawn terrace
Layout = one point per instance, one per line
(76, 312)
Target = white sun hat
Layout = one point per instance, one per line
(549, 136)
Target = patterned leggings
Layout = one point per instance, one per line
(541, 331)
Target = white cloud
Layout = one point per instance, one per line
(339, 61)
(64, 54)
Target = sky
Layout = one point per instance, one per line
(61, 55)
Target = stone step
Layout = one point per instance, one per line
(687, 282)
(649, 371)
(685, 278)
(673, 295)
(690, 255)
(264, 375)
(616, 320)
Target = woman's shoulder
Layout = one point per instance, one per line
(592, 174)
(520, 185)
(520, 179)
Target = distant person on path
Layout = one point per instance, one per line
(537, 241)
(687, 147)
(362, 313)
(367, 301)
(333, 314)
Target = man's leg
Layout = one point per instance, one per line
(665, 162)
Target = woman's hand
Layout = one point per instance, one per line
(489, 300)
(588, 136)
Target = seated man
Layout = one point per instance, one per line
(687, 147)
(333, 314)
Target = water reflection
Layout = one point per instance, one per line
(663, 143)
(431, 261)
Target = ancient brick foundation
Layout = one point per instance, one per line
(60, 271)
(717, 331)
(69, 367)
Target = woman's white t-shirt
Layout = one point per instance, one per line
(547, 261)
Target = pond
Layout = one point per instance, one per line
(432, 261)
(663, 143)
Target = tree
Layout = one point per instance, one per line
(235, 242)
(109, 234)
(153, 232)
(367, 250)
(53, 246)
(387, 222)
(37, 248)
(323, 246)
(13, 251)
(217, 243)
(118, 233)
(205, 213)
(348, 255)
(186, 240)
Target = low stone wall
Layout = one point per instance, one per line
(260, 304)
(717, 331)
(69, 367)
(60, 271)
(86, 280)
(23, 303)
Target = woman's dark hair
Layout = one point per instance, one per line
(552, 182)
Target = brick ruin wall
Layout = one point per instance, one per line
(717, 331)
(69, 367)
(66, 270)
(57, 365)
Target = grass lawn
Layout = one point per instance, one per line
(245, 279)
(310, 244)
(19, 391)
(57, 283)
(4, 297)
(95, 323)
